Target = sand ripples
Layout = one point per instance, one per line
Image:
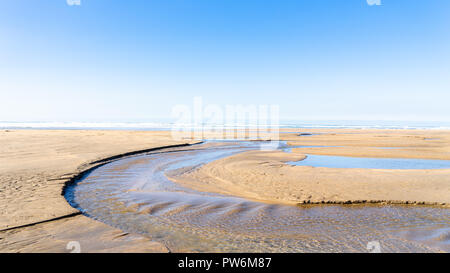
(134, 195)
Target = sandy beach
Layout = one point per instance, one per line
(36, 164)
(34, 167)
(265, 176)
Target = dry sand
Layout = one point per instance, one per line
(35, 165)
(264, 176)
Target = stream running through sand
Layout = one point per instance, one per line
(134, 195)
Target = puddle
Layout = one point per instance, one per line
(371, 163)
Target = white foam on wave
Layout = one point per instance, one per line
(169, 125)
(69, 125)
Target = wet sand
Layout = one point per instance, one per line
(34, 167)
(265, 176)
(134, 195)
(36, 164)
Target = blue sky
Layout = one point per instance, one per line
(117, 60)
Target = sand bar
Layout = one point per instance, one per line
(265, 176)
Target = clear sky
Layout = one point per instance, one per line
(119, 60)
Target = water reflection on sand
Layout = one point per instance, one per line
(134, 195)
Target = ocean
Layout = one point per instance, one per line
(283, 124)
